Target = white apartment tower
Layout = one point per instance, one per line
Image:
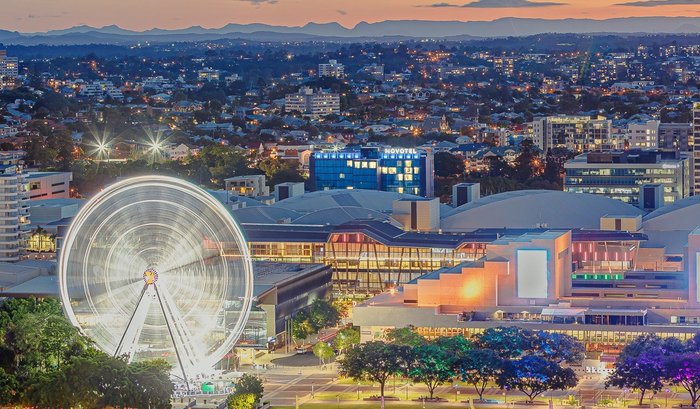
(9, 66)
(14, 207)
(331, 69)
(314, 103)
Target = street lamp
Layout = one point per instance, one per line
(667, 393)
(155, 147)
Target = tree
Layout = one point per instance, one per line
(447, 164)
(533, 375)
(9, 388)
(150, 384)
(323, 351)
(644, 372)
(405, 336)
(375, 361)
(301, 326)
(507, 342)
(250, 384)
(684, 369)
(346, 338)
(478, 367)
(323, 314)
(558, 347)
(431, 365)
(240, 401)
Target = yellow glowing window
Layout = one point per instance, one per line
(400, 190)
(373, 165)
(349, 163)
(399, 177)
(357, 165)
(364, 165)
(408, 163)
(408, 178)
(392, 171)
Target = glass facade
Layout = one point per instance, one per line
(392, 170)
(610, 342)
(624, 183)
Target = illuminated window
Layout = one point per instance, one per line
(408, 163)
(373, 165)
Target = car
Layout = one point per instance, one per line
(303, 349)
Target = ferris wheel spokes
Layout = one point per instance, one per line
(172, 337)
(117, 351)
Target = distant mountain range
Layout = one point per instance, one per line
(385, 30)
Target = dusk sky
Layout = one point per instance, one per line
(42, 15)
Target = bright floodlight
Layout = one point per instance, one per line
(155, 267)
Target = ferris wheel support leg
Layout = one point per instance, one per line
(128, 324)
(170, 331)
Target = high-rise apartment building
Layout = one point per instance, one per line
(14, 207)
(331, 69)
(696, 148)
(675, 136)
(574, 132)
(9, 66)
(643, 134)
(316, 103)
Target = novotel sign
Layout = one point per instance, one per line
(400, 151)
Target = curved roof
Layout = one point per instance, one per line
(675, 216)
(368, 199)
(533, 208)
(342, 214)
(264, 214)
(670, 225)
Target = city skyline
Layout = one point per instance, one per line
(41, 15)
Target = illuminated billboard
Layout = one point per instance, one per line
(532, 278)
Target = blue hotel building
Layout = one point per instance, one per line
(400, 170)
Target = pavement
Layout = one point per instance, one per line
(290, 379)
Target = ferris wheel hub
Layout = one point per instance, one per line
(150, 276)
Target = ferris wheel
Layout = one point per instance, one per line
(156, 268)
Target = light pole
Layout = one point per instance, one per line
(358, 391)
(668, 391)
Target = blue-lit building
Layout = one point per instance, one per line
(400, 170)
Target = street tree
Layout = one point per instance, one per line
(323, 352)
(406, 336)
(346, 338)
(683, 369)
(478, 367)
(507, 342)
(534, 375)
(240, 401)
(430, 364)
(323, 314)
(376, 361)
(558, 347)
(250, 384)
(643, 372)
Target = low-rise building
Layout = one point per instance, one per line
(49, 185)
